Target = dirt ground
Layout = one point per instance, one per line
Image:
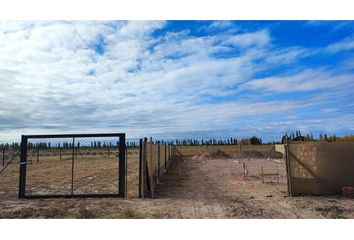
(215, 188)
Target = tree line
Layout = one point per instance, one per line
(294, 136)
(297, 136)
(46, 145)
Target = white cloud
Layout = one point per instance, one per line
(302, 81)
(344, 45)
(53, 79)
(258, 39)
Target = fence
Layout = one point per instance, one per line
(9, 156)
(188, 151)
(73, 165)
(154, 161)
(319, 167)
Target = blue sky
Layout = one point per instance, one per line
(175, 79)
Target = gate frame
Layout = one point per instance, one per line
(121, 170)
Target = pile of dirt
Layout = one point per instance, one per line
(217, 154)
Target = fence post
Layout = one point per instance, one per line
(126, 171)
(158, 159)
(108, 151)
(122, 174)
(145, 173)
(59, 153)
(152, 187)
(72, 167)
(168, 158)
(23, 162)
(140, 167)
(165, 156)
(3, 156)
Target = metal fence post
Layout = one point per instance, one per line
(23, 162)
(121, 182)
(72, 166)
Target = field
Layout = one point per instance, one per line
(202, 186)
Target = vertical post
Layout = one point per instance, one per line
(126, 171)
(72, 167)
(151, 174)
(262, 175)
(145, 169)
(288, 167)
(37, 154)
(158, 159)
(108, 151)
(121, 182)
(140, 167)
(59, 153)
(168, 158)
(3, 156)
(23, 162)
(165, 156)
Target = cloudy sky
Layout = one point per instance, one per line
(176, 78)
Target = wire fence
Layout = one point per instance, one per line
(155, 160)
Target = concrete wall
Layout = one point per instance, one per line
(228, 149)
(320, 167)
(280, 148)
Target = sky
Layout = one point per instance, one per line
(176, 79)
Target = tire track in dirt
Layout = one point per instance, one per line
(199, 188)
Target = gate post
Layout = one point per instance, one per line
(23, 162)
(121, 182)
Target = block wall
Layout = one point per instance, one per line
(320, 167)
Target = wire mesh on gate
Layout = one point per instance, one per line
(73, 165)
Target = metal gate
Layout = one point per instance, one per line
(73, 165)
